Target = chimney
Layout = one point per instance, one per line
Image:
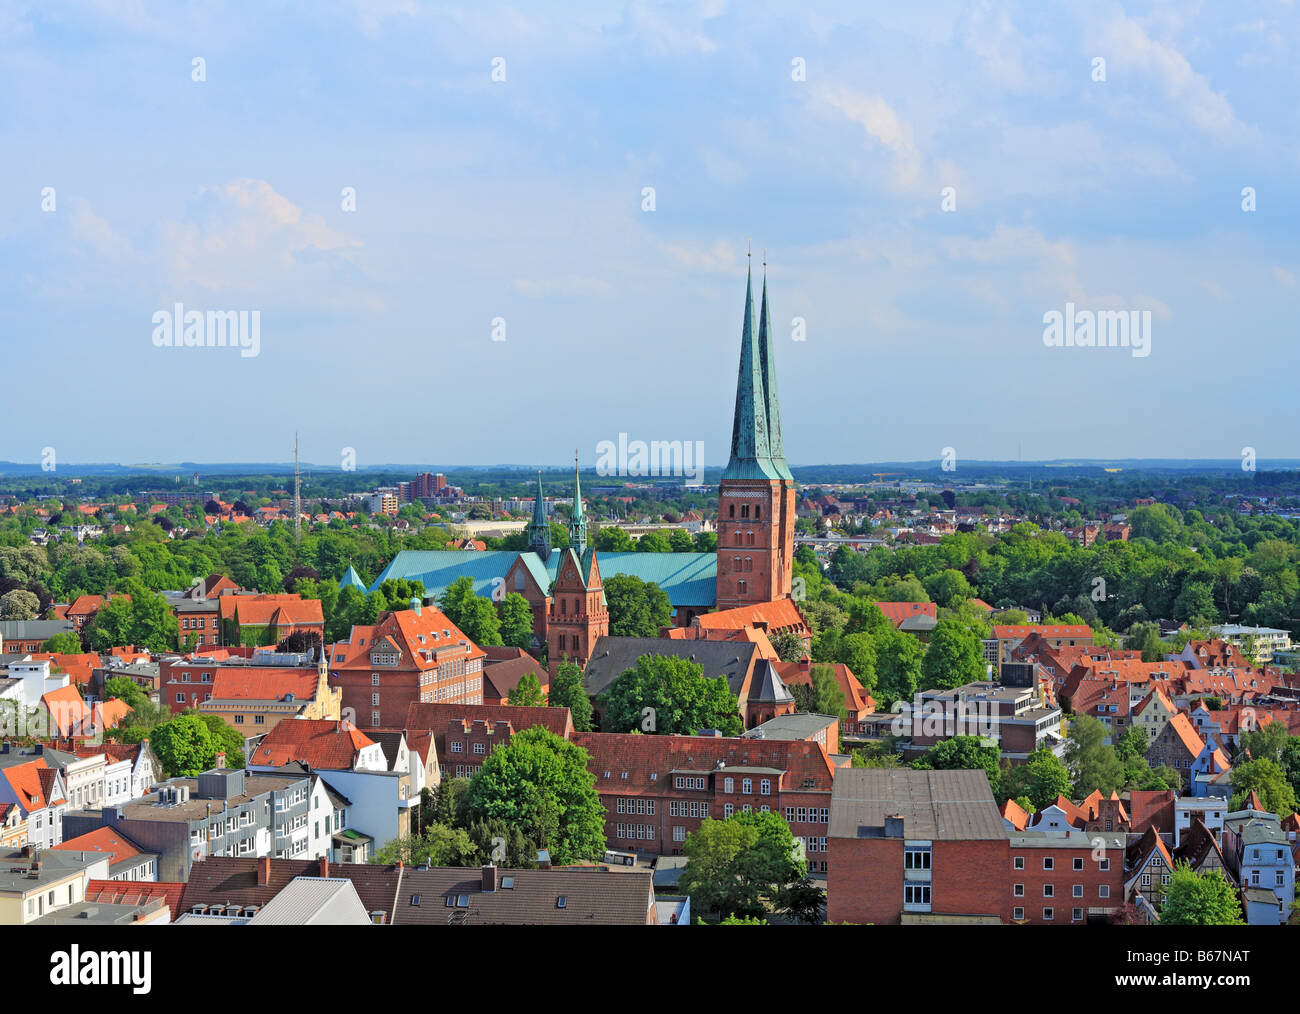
(324, 866)
(489, 878)
(805, 664)
(263, 871)
(543, 859)
(220, 761)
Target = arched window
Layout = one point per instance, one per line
(749, 564)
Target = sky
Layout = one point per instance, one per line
(929, 181)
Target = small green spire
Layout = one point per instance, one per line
(578, 519)
(539, 532)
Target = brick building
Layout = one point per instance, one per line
(915, 847)
(410, 656)
(1066, 877)
(658, 789)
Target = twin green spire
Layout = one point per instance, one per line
(757, 449)
(539, 530)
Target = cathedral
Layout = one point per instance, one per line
(749, 578)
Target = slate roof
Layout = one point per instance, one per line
(934, 805)
(611, 655)
(593, 896)
(227, 880)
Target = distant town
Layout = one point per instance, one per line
(758, 700)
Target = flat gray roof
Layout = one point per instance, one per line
(934, 805)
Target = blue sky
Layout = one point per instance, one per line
(522, 199)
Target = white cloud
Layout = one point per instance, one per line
(1126, 45)
(874, 115)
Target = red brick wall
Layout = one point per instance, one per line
(1063, 878)
(769, 571)
(865, 880)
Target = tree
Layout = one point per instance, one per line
(1091, 761)
(19, 604)
(527, 693)
(948, 588)
(669, 695)
(65, 643)
(516, 621)
(1192, 899)
(636, 608)
(963, 753)
(1041, 779)
(126, 690)
(479, 622)
(1266, 778)
(740, 865)
(183, 744)
(436, 845)
(540, 783)
(858, 651)
(567, 691)
(827, 697)
(1132, 744)
(789, 646)
(954, 657)
(898, 666)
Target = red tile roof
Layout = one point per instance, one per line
(322, 744)
(103, 839)
(803, 762)
(897, 612)
(135, 892)
(270, 683)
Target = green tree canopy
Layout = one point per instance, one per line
(666, 695)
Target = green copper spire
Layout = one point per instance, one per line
(766, 352)
(578, 519)
(751, 457)
(539, 532)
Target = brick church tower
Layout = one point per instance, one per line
(756, 498)
(578, 614)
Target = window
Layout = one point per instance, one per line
(747, 786)
(1078, 915)
(916, 894)
(1103, 864)
(1048, 915)
(729, 785)
(765, 787)
(1017, 913)
(1018, 890)
(1078, 890)
(1078, 862)
(1103, 891)
(1048, 863)
(916, 857)
(1049, 891)
(1018, 863)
